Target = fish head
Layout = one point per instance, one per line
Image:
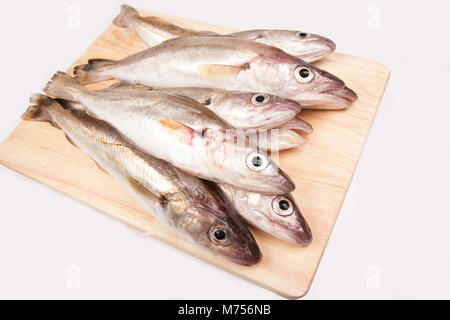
(298, 80)
(322, 88)
(306, 46)
(278, 215)
(213, 225)
(252, 168)
(254, 110)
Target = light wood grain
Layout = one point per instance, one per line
(322, 170)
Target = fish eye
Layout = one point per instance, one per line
(283, 206)
(302, 34)
(303, 75)
(257, 161)
(260, 99)
(219, 235)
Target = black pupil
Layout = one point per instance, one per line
(257, 161)
(302, 34)
(220, 234)
(304, 73)
(260, 99)
(284, 205)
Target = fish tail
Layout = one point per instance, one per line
(91, 72)
(39, 107)
(122, 19)
(63, 86)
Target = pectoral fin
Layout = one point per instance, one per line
(184, 132)
(173, 125)
(217, 72)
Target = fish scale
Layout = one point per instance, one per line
(154, 30)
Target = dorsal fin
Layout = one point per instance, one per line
(124, 86)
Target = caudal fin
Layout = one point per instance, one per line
(39, 109)
(63, 86)
(126, 11)
(92, 71)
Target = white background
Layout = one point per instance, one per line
(392, 237)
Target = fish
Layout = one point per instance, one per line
(224, 63)
(175, 129)
(277, 215)
(276, 139)
(241, 110)
(244, 110)
(233, 105)
(154, 30)
(184, 204)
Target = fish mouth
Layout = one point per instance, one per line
(337, 98)
(253, 256)
(303, 235)
(297, 124)
(319, 48)
(282, 113)
(247, 253)
(345, 94)
(278, 183)
(288, 139)
(287, 184)
(291, 106)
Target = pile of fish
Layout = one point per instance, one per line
(187, 128)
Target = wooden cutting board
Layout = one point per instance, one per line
(322, 170)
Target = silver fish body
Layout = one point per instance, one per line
(184, 204)
(154, 30)
(224, 63)
(160, 123)
(242, 110)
